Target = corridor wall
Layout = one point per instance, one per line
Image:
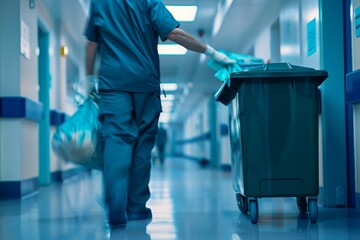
(20, 110)
(18, 87)
(262, 45)
(223, 136)
(331, 48)
(310, 57)
(353, 81)
(196, 142)
(63, 32)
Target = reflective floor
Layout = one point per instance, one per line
(188, 202)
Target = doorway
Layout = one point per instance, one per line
(44, 98)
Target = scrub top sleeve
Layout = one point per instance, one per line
(163, 21)
(91, 29)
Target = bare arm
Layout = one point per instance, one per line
(91, 50)
(186, 40)
(189, 42)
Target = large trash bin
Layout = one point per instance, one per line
(273, 125)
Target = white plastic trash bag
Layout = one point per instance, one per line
(77, 140)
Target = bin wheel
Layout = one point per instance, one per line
(301, 203)
(242, 203)
(254, 210)
(313, 210)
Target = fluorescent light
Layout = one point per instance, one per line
(171, 49)
(167, 109)
(167, 104)
(165, 117)
(289, 50)
(169, 86)
(183, 13)
(168, 97)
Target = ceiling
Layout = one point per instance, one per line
(241, 23)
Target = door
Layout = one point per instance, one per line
(44, 87)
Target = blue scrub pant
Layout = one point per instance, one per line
(129, 127)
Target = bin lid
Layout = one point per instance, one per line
(276, 70)
(271, 70)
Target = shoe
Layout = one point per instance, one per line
(117, 225)
(117, 222)
(141, 215)
(116, 219)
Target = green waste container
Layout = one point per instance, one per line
(273, 125)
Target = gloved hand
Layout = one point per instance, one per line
(90, 84)
(218, 56)
(85, 87)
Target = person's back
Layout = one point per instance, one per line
(128, 32)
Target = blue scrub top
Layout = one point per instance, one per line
(127, 33)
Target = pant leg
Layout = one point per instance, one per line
(147, 111)
(119, 133)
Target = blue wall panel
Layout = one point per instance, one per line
(20, 107)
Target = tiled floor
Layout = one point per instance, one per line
(188, 202)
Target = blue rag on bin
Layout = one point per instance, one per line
(242, 60)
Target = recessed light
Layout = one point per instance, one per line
(183, 13)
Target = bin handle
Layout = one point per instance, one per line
(290, 67)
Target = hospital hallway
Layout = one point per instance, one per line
(188, 201)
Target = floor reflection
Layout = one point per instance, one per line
(188, 202)
(132, 231)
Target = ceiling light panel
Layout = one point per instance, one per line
(168, 97)
(183, 13)
(169, 86)
(171, 49)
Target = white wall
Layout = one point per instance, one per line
(10, 160)
(18, 77)
(310, 11)
(357, 146)
(77, 55)
(333, 102)
(29, 67)
(356, 66)
(290, 32)
(19, 138)
(196, 126)
(262, 45)
(52, 26)
(9, 48)
(63, 32)
(224, 141)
